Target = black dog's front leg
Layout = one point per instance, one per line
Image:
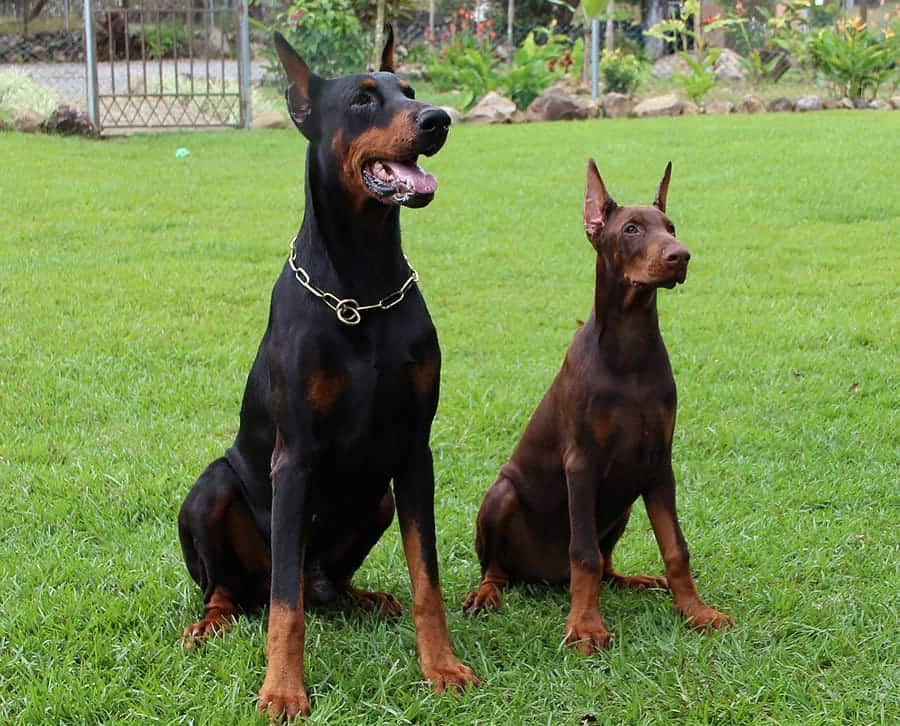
(414, 492)
(283, 692)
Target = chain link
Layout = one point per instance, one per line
(348, 310)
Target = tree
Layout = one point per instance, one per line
(653, 11)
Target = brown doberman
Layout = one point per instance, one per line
(340, 399)
(600, 438)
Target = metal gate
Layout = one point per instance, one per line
(167, 63)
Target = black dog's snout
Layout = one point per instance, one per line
(433, 121)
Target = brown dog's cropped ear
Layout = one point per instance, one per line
(598, 205)
(301, 80)
(663, 191)
(387, 55)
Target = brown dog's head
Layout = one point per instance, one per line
(366, 129)
(637, 242)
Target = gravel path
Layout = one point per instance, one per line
(69, 79)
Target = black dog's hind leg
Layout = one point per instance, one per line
(224, 551)
(341, 549)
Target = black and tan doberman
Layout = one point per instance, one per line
(340, 399)
(600, 438)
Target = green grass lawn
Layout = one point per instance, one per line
(135, 288)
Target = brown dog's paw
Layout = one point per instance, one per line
(382, 604)
(638, 582)
(209, 626)
(486, 597)
(588, 636)
(450, 674)
(705, 618)
(283, 704)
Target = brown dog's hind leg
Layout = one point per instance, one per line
(630, 582)
(499, 505)
(224, 552)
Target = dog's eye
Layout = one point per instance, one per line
(671, 229)
(631, 228)
(364, 98)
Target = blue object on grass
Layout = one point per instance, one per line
(182, 152)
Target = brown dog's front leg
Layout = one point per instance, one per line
(660, 503)
(584, 626)
(282, 693)
(414, 492)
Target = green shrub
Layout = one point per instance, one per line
(853, 61)
(165, 40)
(18, 93)
(621, 72)
(702, 76)
(326, 33)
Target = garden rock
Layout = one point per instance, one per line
(492, 109)
(28, 121)
(729, 66)
(555, 104)
(70, 122)
(217, 46)
(830, 104)
(752, 104)
(616, 105)
(880, 105)
(5, 125)
(411, 71)
(861, 104)
(781, 104)
(270, 120)
(808, 103)
(718, 107)
(668, 65)
(689, 108)
(453, 113)
(895, 102)
(667, 105)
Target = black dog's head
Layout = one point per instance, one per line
(638, 242)
(367, 127)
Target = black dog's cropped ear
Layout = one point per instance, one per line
(598, 205)
(387, 55)
(663, 191)
(301, 80)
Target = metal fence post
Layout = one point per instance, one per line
(595, 54)
(244, 64)
(90, 60)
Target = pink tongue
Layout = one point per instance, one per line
(422, 182)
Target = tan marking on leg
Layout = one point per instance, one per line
(584, 626)
(688, 602)
(488, 596)
(439, 665)
(219, 614)
(323, 388)
(282, 693)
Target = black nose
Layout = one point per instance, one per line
(433, 121)
(678, 255)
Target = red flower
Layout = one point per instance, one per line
(295, 16)
(493, 34)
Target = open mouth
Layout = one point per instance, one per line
(404, 183)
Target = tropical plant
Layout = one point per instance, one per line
(465, 60)
(674, 30)
(702, 76)
(326, 33)
(854, 62)
(621, 71)
(536, 65)
(165, 40)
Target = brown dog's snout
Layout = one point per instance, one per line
(433, 124)
(676, 255)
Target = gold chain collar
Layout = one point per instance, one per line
(348, 310)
